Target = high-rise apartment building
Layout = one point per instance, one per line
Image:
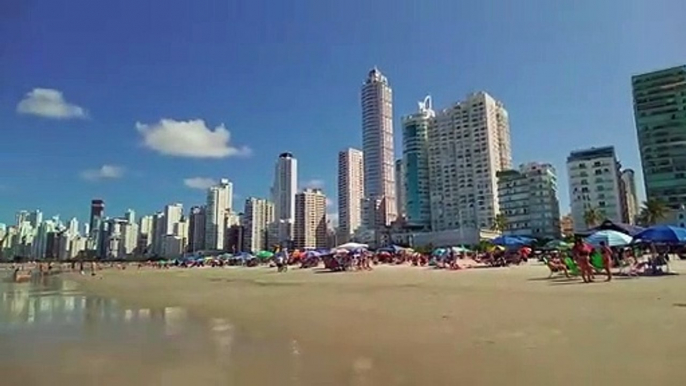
(528, 201)
(400, 201)
(416, 164)
(173, 213)
(594, 186)
(258, 214)
(145, 234)
(469, 143)
(196, 229)
(628, 182)
(219, 200)
(660, 114)
(350, 192)
(310, 219)
(377, 144)
(283, 192)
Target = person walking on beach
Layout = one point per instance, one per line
(582, 255)
(607, 259)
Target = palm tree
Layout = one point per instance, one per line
(653, 211)
(499, 223)
(592, 216)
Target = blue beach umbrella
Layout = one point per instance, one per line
(610, 237)
(662, 234)
(510, 241)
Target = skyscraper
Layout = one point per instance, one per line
(400, 198)
(196, 229)
(283, 192)
(97, 239)
(628, 181)
(377, 144)
(219, 199)
(469, 143)
(172, 215)
(594, 186)
(258, 214)
(660, 113)
(350, 192)
(310, 219)
(416, 164)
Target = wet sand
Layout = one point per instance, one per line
(419, 326)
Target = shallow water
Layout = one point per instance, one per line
(53, 334)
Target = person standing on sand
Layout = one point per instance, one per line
(607, 259)
(582, 255)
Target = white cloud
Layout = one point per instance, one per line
(329, 202)
(192, 139)
(104, 172)
(314, 183)
(199, 182)
(49, 103)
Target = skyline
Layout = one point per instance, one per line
(101, 137)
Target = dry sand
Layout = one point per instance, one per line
(419, 326)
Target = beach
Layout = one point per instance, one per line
(417, 326)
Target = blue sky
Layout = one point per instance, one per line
(93, 93)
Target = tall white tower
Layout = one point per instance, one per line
(350, 192)
(283, 194)
(377, 144)
(219, 199)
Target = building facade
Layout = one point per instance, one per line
(283, 192)
(469, 143)
(416, 164)
(196, 229)
(400, 199)
(528, 201)
(258, 214)
(350, 192)
(377, 143)
(631, 202)
(219, 203)
(310, 219)
(660, 114)
(594, 186)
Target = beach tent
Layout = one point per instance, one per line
(264, 254)
(608, 225)
(662, 234)
(611, 238)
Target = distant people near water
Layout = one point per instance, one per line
(606, 252)
(582, 256)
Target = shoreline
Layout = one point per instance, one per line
(406, 320)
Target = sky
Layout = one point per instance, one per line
(144, 103)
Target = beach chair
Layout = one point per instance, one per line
(572, 266)
(629, 268)
(597, 262)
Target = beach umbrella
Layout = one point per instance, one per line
(662, 234)
(611, 238)
(557, 244)
(312, 254)
(508, 241)
(460, 249)
(352, 246)
(439, 252)
(265, 254)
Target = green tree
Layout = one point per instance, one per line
(593, 216)
(499, 223)
(652, 212)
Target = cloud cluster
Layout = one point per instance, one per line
(103, 173)
(49, 103)
(191, 139)
(199, 182)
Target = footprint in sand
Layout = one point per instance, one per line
(361, 371)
